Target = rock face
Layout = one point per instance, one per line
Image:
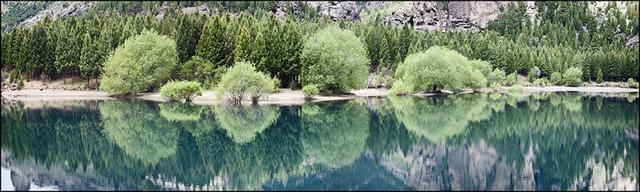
(201, 9)
(336, 10)
(453, 16)
(633, 42)
(57, 10)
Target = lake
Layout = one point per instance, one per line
(464, 142)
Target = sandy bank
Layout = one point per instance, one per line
(282, 97)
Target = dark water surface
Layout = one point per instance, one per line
(476, 142)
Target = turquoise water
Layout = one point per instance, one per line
(465, 142)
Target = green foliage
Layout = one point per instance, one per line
(599, 76)
(200, 70)
(564, 35)
(511, 79)
(19, 11)
(572, 77)
(495, 86)
(632, 83)
(533, 74)
(439, 68)
(556, 78)
(383, 78)
(497, 76)
(243, 80)
(141, 63)
(515, 89)
(483, 66)
(335, 60)
(541, 82)
(400, 88)
(310, 90)
(178, 90)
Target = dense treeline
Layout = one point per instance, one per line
(80, 45)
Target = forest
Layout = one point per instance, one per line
(565, 35)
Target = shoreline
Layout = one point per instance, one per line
(282, 97)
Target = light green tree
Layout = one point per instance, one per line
(141, 63)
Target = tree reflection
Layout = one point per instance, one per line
(139, 130)
(335, 136)
(121, 143)
(180, 112)
(439, 118)
(243, 123)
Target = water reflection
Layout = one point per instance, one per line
(478, 142)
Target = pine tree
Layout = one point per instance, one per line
(244, 45)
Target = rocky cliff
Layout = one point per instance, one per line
(469, 16)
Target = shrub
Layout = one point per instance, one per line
(335, 60)
(495, 86)
(541, 82)
(515, 89)
(533, 74)
(439, 68)
(400, 88)
(599, 76)
(310, 90)
(556, 78)
(201, 70)
(632, 83)
(178, 90)
(496, 76)
(141, 63)
(383, 78)
(511, 79)
(483, 66)
(243, 80)
(572, 77)
(474, 79)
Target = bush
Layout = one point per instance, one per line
(310, 90)
(599, 76)
(483, 66)
(496, 76)
(515, 89)
(439, 68)
(201, 70)
(533, 74)
(632, 83)
(383, 78)
(495, 86)
(572, 77)
(243, 80)
(556, 78)
(400, 88)
(335, 60)
(178, 90)
(511, 79)
(141, 63)
(541, 82)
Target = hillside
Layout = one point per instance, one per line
(601, 38)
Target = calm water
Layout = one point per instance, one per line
(478, 142)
